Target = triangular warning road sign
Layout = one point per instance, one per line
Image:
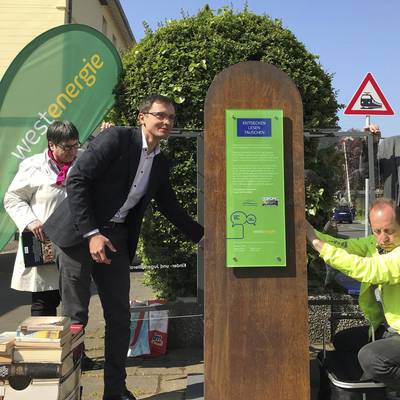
(369, 100)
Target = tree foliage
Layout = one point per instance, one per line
(180, 59)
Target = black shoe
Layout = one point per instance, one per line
(127, 395)
(88, 364)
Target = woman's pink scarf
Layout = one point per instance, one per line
(62, 168)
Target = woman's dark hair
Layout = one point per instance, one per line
(61, 131)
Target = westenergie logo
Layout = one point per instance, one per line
(85, 78)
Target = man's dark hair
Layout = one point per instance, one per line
(62, 131)
(383, 201)
(148, 101)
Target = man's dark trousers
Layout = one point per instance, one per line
(380, 360)
(113, 283)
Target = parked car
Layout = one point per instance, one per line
(343, 214)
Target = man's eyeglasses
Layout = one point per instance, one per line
(162, 115)
(69, 147)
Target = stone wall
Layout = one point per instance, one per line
(332, 312)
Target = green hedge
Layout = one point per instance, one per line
(180, 59)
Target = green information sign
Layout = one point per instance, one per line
(255, 189)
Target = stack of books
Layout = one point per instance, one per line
(7, 340)
(43, 340)
(46, 354)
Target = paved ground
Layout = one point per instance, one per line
(162, 378)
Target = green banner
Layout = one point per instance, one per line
(255, 189)
(66, 73)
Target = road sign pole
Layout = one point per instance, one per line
(371, 162)
(347, 174)
(366, 207)
(369, 100)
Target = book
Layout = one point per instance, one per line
(6, 358)
(38, 370)
(6, 341)
(77, 353)
(40, 354)
(42, 342)
(36, 253)
(76, 394)
(77, 341)
(37, 389)
(39, 335)
(64, 388)
(76, 329)
(78, 336)
(44, 324)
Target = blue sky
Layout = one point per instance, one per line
(352, 37)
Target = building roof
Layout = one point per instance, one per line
(118, 11)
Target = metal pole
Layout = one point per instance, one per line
(371, 162)
(366, 206)
(347, 174)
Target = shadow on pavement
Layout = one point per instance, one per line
(176, 394)
(173, 358)
(10, 299)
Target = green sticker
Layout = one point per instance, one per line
(255, 189)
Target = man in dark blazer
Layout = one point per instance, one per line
(96, 228)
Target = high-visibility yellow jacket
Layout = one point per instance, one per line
(359, 259)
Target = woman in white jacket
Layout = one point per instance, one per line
(36, 190)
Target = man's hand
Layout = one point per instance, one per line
(105, 125)
(375, 131)
(97, 248)
(36, 227)
(312, 237)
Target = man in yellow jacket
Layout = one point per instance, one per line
(375, 262)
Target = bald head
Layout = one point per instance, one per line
(384, 220)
